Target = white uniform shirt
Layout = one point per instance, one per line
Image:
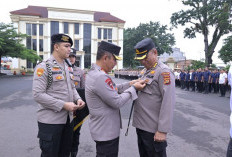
(222, 78)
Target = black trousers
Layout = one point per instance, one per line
(55, 139)
(229, 149)
(148, 147)
(182, 82)
(107, 148)
(206, 85)
(222, 89)
(192, 85)
(76, 140)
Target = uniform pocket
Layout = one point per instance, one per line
(159, 146)
(45, 141)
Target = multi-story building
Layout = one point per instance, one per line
(86, 28)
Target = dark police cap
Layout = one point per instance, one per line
(73, 52)
(61, 38)
(112, 48)
(143, 47)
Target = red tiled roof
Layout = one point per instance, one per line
(32, 11)
(43, 12)
(106, 17)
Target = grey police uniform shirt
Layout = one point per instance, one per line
(52, 100)
(78, 77)
(153, 110)
(104, 101)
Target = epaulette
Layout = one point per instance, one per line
(50, 79)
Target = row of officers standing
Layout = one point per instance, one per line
(58, 89)
(204, 81)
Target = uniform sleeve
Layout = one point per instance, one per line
(167, 90)
(76, 96)
(105, 89)
(39, 89)
(122, 87)
(82, 79)
(229, 76)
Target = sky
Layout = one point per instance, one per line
(133, 12)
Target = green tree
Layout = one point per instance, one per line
(11, 44)
(202, 15)
(196, 65)
(153, 30)
(225, 53)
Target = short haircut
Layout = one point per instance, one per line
(52, 46)
(101, 53)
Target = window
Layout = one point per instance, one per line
(107, 34)
(34, 29)
(40, 44)
(54, 27)
(28, 29)
(76, 28)
(34, 44)
(28, 44)
(65, 27)
(99, 33)
(76, 44)
(87, 44)
(40, 29)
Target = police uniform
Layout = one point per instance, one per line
(206, 77)
(52, 87)
(153, 110)
(229, 149)
(79, 82)
(104, 102)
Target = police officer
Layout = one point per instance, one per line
(193, 79)
(182, 79)
(55, 93)
(104, 100)
(153, 112)
(187, 80)
(79, 81)
(206, 78)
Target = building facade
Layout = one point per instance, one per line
(86, 28)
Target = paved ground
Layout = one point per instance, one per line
(200, 127)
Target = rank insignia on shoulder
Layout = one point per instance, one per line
(152, 72)
(166, 76)
(59, 77)
(142, 72)
(39, 72)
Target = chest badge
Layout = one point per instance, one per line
(59, 77)
(152, 72)
(55, 68)
(76, 83)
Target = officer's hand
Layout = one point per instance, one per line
(70, 106)
(140, 84)
(133, 82)
(160, 136)
(80, 104)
